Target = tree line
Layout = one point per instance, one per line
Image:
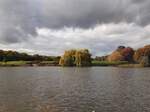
(122, 53)
(16, 56)
(83, 57)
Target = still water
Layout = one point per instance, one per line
(56, 89)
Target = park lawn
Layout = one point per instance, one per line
(14, 63)
(48, 62)
(106, 63)
(28, 63)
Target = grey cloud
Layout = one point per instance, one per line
(73, 13)
(87, 13)
(16, 13)
(19, 20)
(99, 40)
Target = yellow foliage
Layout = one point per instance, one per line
(80, 57)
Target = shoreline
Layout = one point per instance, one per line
(121, 64)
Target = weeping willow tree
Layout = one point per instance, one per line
(76, 58)
(68, 59)
(83, 58)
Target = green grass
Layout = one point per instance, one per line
(45, 63)
(106, 63)
(48, 62)
(14, 63)
(131, 66)
(28, 63)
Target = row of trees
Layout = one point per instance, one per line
(76, 58)
(16, 56)
(82, 57)
(141, 56)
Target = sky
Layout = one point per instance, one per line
(49, 27)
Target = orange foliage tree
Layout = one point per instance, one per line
(122, 54)
(142, 53)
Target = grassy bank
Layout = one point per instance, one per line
(54, 63)
(106, 63)
(131, 66)
(15, 63)
(28, 63)
(48, 63)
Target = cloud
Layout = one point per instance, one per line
(87, 13)
(51, 26)
(100, 40)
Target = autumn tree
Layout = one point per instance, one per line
(127, 54)
(142, 55)
(115, 56)
(83, 58)
(68, 59)
(122, 54)
(76, 58)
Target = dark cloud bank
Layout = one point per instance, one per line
(50, 26)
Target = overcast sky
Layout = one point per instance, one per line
(49, 27)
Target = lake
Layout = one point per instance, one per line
(58, 89)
